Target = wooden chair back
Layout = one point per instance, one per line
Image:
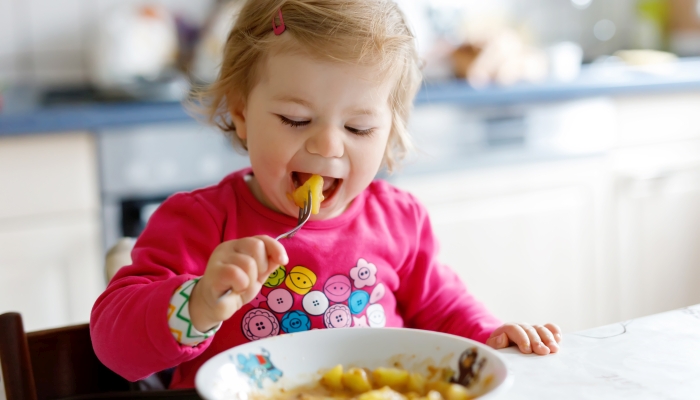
(52, 364)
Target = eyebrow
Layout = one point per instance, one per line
(304, 103)
(291, 99)
(364, 111)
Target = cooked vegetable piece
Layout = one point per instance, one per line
(416, 383)
(438, 386)
(384, 393)
(315, 185)
(393, 377)
(333, 379)
(356, 380)
(389, 384)
(433, 395)
(457, 392)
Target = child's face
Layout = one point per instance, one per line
(311, 117)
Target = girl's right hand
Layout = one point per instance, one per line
(242, 265)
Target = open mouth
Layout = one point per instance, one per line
(330, 184)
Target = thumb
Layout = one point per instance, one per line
(498, 341)
(276, 253)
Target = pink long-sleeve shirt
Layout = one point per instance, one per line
(375, 265)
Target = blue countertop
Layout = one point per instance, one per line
(25, 113)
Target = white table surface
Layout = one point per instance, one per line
(654, 357)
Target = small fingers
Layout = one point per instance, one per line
(547, 338)
(498, 341)
(239, 280)
(536, 344)
(276, 256)
(240, 273)
(556, 331)
(276, 253)
(255, 248)
(268, 253)
(517, 335)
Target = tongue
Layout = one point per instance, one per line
(328, 183)
(303, 177)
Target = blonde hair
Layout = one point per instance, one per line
(367, 32)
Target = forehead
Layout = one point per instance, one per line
(321, 82)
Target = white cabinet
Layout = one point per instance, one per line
(50, 271)
(584, 241)
(529, 240)
(51, 268)
(658, 227)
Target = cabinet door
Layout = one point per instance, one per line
(658, 218)
(657, 118)
(47, 174)
(50, 270)
(527, 241)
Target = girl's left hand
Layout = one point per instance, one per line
(540, 339)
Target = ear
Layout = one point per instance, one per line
(237, 109)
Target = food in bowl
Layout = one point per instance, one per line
(391, 383)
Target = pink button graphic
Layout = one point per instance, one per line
(337, 288)
(338, 316)
(259, 323)
(280, 300)
(364, 274)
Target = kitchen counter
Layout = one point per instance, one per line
(25, 111)
(655, 357)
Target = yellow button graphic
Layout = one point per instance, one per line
(300, 280)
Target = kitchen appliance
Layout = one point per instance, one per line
(133, 52)
(141, 166)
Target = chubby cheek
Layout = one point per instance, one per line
(365, 162)
(268, 152)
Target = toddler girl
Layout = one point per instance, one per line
(306, 87)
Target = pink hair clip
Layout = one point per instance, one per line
(278, 29)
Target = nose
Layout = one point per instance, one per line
(326, 141)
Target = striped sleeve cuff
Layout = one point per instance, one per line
(179, 317)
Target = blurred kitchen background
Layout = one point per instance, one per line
(558, 147)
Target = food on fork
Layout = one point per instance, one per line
(313, 184)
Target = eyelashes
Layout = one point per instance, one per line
(364, 132)
(297, 124)
(293, 123)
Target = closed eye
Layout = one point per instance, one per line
(358, 132)
(292, 122)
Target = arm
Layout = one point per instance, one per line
(433, 297)
(129, 325)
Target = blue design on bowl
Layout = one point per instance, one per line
(258, 367)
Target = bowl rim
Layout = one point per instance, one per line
(497, 391)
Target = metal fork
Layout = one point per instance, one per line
(304, 215)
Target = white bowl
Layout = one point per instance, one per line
(265, 366)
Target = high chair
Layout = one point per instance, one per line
(61, 364)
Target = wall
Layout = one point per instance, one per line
(45, 41)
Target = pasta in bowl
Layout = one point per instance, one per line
(363, 364)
